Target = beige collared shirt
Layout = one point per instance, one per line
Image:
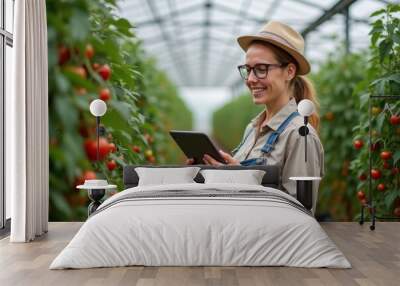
(288, 152)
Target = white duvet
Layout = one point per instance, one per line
(183, 231)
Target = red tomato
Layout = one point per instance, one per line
(86, 175)
(149, 138)
(105, 72)
(95, 66)
(89, 175)
(112, 147)
(395, 171)
(360, 195)
(81, 71)
(358, 144)
(386, 165)
(105, 94)
(362, 177)
(63, 55)
(364, 202)
(397, 211)
(136, 149)
(111, 165)
(91, 148)
(80, 91)
(386, 155)
(381, 187)
(89, 51)
(375, 174)
(395, 120)
(329, 116)
(151, 159)
(375, 146)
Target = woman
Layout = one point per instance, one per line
(273, 72)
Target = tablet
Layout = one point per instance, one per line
(195, 145)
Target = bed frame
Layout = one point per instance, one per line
(271, 178)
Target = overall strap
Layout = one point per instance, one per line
(272, 139)
(242, 142)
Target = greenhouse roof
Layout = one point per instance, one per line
(195, 40)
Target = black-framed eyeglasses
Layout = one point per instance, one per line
(260, 70)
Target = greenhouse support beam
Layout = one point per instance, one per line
(165, 18)
(206, 41)
(227, 44)
(170, 45)
(336, 8)
(347, 41)
(179, 40)
(312, 4)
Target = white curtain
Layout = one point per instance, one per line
(27, 152)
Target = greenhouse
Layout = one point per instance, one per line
(178, 141)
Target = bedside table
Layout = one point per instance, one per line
(96, 190)
(304, 190)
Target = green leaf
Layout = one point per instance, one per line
(394, 7)
(374, 38)
(378, 12)
(123, 108)
(118, 160)
(79, 25)
(396, 38)
(394, 77)
(62, 82)
(384, 48)
(396, 157)
(124, 27)
(59, 201)
(116, 120)
(66, 112)
(380, 121)
(390, 197)
(73, 146)
(364, 99)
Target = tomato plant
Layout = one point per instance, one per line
(94, 53)
(382, 78)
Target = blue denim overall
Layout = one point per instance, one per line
(269, 145)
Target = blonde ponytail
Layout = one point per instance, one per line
(303, 88)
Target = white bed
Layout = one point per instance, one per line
(251, 225)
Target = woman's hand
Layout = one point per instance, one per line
(189, 161)
(229, 160)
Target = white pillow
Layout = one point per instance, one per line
(162, 176)
(249, 177)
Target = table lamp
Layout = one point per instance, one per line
(304, 184)
(98, 108)
(96, 188)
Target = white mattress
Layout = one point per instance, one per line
(183, 231)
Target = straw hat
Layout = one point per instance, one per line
(282, 36)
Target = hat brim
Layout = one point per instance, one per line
(304, 66)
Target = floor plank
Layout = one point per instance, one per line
(374, 255)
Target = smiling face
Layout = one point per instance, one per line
(271, 88)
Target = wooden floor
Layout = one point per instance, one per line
(374, 255)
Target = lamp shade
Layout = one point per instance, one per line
(98, 107)
(305, 107)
